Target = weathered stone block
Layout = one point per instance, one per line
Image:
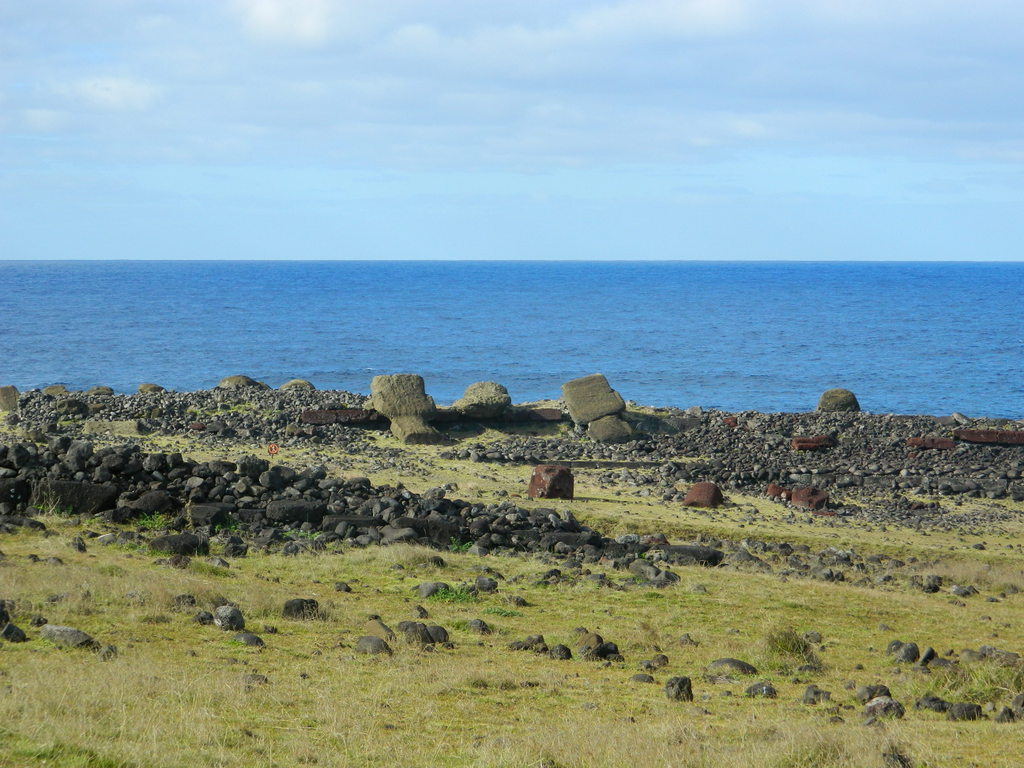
(816, 443)
(838, 400)
(483, 400)
(809, 498)
(590, 397)
(703, 495)
(609, 429)
(8, 398)
(551, 481)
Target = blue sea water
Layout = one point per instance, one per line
(906, 337)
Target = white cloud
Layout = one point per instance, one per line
(113, 93)
(306, 22)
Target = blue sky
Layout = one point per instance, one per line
(536, 129)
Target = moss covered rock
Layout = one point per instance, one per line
(240, 382)
(402, 398)
(838, 400)
(590, 398)
(298, 384)
(483, 400)
(149, 388)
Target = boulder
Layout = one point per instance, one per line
(201, 515)
(838, 400)
(402, 399)
(483, 400)
(180, 544)
(71, 497)
(228, 618)
(100, 390)
(12, 633)
(372, 645)
(703, 495)
(609, 429)
(884, 706)
(296, 511)
(8, 398)
(732, 665)
(809, 498)
(590, 397)
(55, 390)
(149, 388)
(301, 608)
(67, 637)
(679, 689)
(240, 382)
(551, 481)
(299, 385)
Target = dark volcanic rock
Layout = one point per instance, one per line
(679, 689)
(301, 608)
(296, 511)
(70, 497)
(180, 544)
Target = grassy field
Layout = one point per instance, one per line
(182, 694)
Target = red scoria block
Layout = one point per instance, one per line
(703, 495)
(931, 443)
(809, 498)
(731, 421)
(774, 491)
(816, 443)
(551, 481)
(990, 436)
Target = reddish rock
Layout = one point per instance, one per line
(320, 418)
(731, 421)
(703, 495)
(551, 481)
(990, 436)
(932, 443)
(774, 491)
(352, 417)
(816, 443)
(809, 498)
(197, 426)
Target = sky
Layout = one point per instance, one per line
(522, 129)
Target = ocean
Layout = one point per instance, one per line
(907, 337)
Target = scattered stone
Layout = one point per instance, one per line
(732, 665)
(67, 637)
(815, 695)
(964, 711)
(762, 689)
(372, 645)
(679, 689)
(12, 634)
(248, 638)
(301, 608)
(228, 618)
(883, 706)
(180, 544)
(641, 678)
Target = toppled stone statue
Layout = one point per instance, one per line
(402, 399)
(592, 402)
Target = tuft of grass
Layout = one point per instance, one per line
(456, 546)
(783, 649)
(453, 595)
(154, 522)
(205, 569)
(497, 610)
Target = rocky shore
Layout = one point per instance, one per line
(90, 454)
